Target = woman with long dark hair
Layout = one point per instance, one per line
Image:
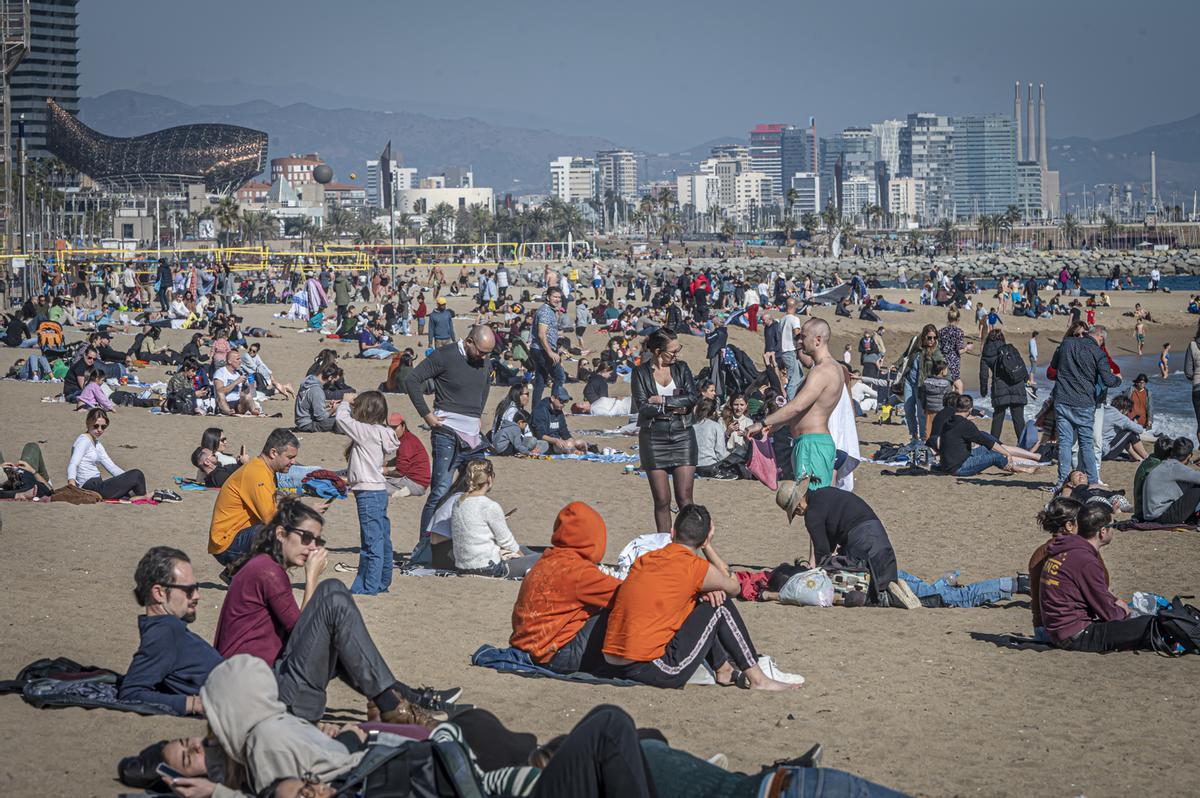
(1007, 394)
(516, 399)
(88, 457)
(664, 395)
(913, 367)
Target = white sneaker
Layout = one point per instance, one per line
(766, 664)
(719, 760)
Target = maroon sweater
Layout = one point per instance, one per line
(259, 611)
(1074, 589)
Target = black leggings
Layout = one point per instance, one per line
(130, 483)
(712, 634)
(1016, 412)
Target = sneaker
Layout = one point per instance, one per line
(725, 475)
(719, 760)
(1023, 586)
(427, 697)
(166, 496)
(903, 595)
(766, 664)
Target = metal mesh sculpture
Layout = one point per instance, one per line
(223, 157)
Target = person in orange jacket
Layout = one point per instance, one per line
(559, 615)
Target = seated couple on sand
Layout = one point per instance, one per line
(255, 748)
(964, 450)
(671, 615)
(306, 644)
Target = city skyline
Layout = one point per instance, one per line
(637, 84)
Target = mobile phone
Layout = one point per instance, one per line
(164, 769)
(510, 512)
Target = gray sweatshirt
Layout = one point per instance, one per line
(310, 402)
(1164, 485)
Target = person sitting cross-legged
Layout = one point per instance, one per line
(550, 424)
(965, 451)
(674, 613)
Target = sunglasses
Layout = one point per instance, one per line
(99, 426)
(190, 590)
(306, 537)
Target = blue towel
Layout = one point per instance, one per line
(598, 458)
(513, 660)
(183, 483)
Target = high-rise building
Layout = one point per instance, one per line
(701, 191)
(858, 193)
(985, 165)
(50, 69)
(1029, 190)
(794, 156)
(403, 178)
(847, 155)
(459, 177)
(906, 200)
(887, 143)
(295, 169)
(927, 153)
(766, 154)
(736, 152)
(573, 179)
(617, 172)
(807, 186)
(752, 192)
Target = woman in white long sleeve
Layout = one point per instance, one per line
(252, 363)
(483, 543)
(88, 457)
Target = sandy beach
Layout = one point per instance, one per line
(920, 701)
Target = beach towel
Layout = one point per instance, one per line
(62, 682)
(186, 483)
(762, 462)
(591, 457)
(1154, 526)
(512, 660)
(409, 569)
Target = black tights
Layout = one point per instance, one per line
(129, 483)
(660, 491)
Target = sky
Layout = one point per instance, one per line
(654, 75)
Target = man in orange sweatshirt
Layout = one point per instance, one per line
(559, 616)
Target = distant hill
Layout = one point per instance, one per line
(508, 159)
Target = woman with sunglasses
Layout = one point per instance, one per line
(664, 394)
(88, 457)
(917, 363)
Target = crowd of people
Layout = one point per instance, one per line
(668, 618)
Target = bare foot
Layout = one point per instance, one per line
(759, 681)
(724, 674)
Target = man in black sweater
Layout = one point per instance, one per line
(459, 372)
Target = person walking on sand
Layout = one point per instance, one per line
(813, 452)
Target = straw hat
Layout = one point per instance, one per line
(788, 496)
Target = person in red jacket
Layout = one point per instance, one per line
(1078, 609)
(411, 474)
(559, 617)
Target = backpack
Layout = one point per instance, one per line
(1011, 366)
(1176, 625)
(421, 769)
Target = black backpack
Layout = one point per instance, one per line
(1176, 624)
(424, 769)
(1010, 366)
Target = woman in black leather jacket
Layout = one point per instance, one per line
(664, 394)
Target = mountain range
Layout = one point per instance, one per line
(512, 158)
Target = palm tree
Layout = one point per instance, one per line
(810, 222)
(258, 226)
(946, 236)
(538, 220)
(987, 226)
(1070, 227)
(479, 218)
(830, 217)
(648, 208)
(440, 220)
(790, 199)
(1111, 230)
(339, 220)
(728, 231)
(570, 223)
(670, 227)
(228, 218)
(788, 226)
(368, 233)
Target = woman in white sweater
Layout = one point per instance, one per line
(483, 543)
(88, 457)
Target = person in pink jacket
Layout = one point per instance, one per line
(363, 419)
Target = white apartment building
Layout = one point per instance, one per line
(751, 190)
(617, 172)
(425, 199)
(906, 199)
(701, 191)
(857, 193)
(573, 178)
(808, 188)
(887, 143)
(403, 178)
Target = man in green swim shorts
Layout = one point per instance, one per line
(807, 415)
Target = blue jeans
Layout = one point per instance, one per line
(375, 561)
(1071, 423)
(240, 545)
(545, 371)
(445, 459)
(794, 374)
(28, 343)
(985, 591)
(35, 366)
(914, 412)
(980, 459)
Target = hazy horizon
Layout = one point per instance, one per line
(654, 77)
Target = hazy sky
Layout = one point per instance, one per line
(660, 75)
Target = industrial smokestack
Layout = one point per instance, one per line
(1017, 117)
(1032, 134)
(1042, 127)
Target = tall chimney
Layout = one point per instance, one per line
(1017, 117)
(1032, 122)
(1042, 127)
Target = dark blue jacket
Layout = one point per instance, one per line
(1081, 365)
(548, 421)
(441, 325)
(171, 663)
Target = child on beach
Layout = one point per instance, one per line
(93, 394)
(363, 419)
(1139, 333)
(1164, 361)
(1143, 410)
(934, 391)
(1033, 353)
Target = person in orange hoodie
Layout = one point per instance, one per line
(559, 616)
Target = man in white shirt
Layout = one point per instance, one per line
(233, 390)
(787, 348)
(1155, 277)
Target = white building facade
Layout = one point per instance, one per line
(573, 178)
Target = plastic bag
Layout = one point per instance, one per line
(808, 589)
(1147, 603)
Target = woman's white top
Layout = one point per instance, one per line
(480, 532)
(665, 390)
(86, 455)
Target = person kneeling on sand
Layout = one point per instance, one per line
(674, 613)
(559, 616)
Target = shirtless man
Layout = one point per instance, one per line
(813, 452)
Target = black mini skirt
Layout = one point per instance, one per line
(667, 446)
